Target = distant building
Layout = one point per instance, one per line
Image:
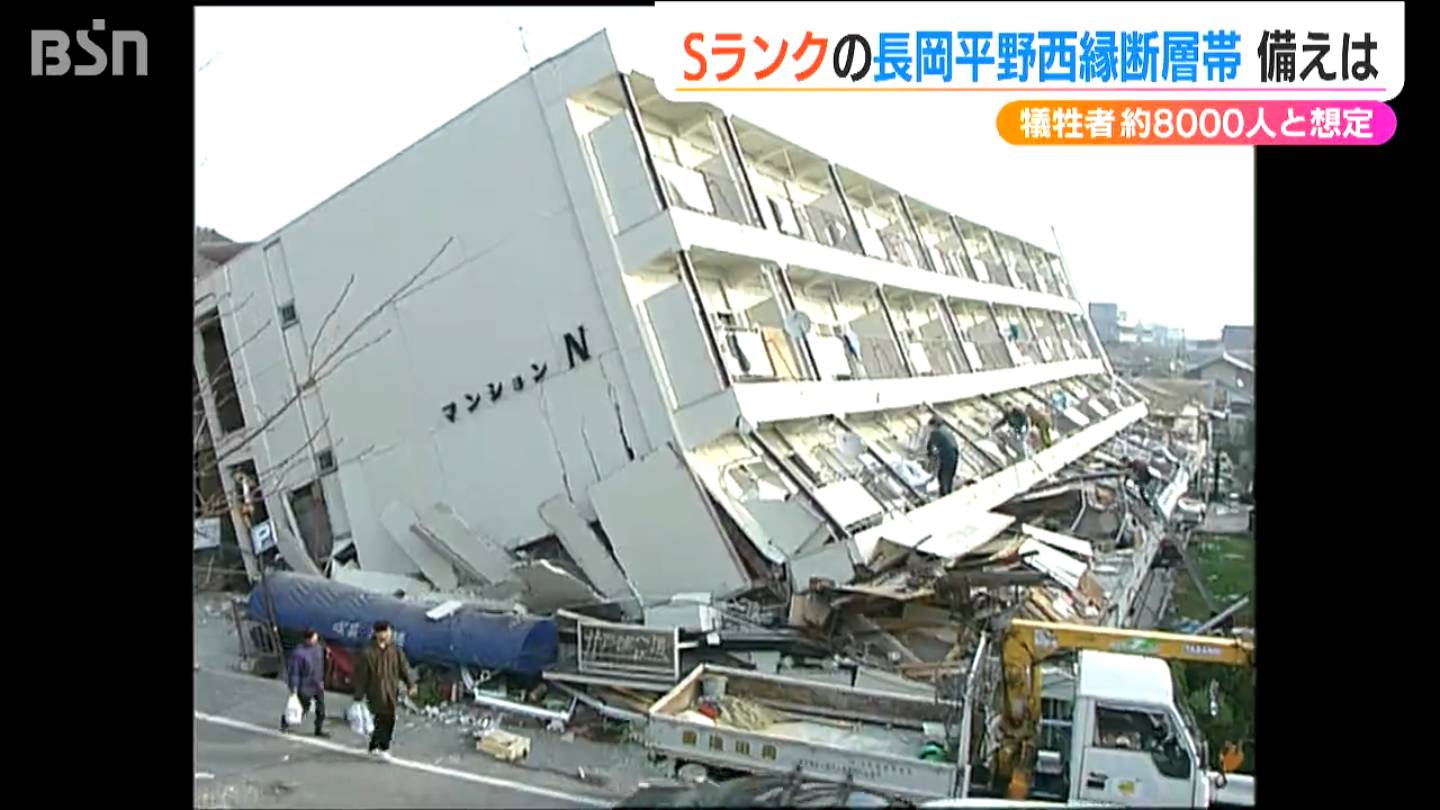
(1107, 318)
(1238, 338)
(1232, 391)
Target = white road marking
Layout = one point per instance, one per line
(424, 767)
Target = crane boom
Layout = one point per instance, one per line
(1028, 643)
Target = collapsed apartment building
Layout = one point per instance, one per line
(653, 364)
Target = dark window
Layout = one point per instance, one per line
(219, 375)
(1144, 733)
(288, 316)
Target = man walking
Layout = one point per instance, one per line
(941, 446)
(305, 675)
(379, 671)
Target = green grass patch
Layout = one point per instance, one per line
(1227, 563)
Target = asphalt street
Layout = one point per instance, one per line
(242, 760)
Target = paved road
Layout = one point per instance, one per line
(241, 760)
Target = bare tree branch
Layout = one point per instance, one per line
(320, 333)
(350, 354)
(375, 313)
(324, 368)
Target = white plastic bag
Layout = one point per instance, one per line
(294, 712)
(361, 721)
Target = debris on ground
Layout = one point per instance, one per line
(553, 642)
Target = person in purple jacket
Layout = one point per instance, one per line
(305, 675)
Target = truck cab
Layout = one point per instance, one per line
(1132, 743)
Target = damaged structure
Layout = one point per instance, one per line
(662, 369)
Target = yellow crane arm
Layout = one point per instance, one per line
(1028, 643)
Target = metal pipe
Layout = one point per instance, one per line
(967, 721)
(521, 708)
(1222, 616)
(600, 706)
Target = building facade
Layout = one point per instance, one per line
(581, 310)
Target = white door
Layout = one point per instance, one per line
(1135, 758)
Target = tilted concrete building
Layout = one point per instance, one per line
(648, 318)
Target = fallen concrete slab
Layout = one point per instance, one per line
(664, 533)
(292, 546)
(548, 587)
(692, 612)
(465, 549)
(378, 581)
(585, 547)
(832, 562)
(789, 526)
(399, 520)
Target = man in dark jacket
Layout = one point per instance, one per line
(1018, 422)
(305, 675)
(941, 446)
(379, 671)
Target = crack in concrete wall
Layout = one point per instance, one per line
(555, 442)
(619, 416)
(585, 438)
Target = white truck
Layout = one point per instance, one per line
(1130, 742)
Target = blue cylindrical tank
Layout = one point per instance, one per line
(345, 615)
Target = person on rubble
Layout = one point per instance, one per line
(1140, 474)
(1018, 422)
(1041, 421)
(379, 671)
(305, 675)
(942, 448)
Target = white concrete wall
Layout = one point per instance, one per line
(517, 273)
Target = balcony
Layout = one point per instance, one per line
(982, 342)
(941, 240)
(745, 303)
(920, 322)
(849, 335)
(1013, 252)
(794, 189)
(879, 212)
(983, 253)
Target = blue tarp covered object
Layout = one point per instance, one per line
(469, 637)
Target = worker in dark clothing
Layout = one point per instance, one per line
(379, 671)
(305, 675)
(941, 447)
(1018, 422)
(1140, 474)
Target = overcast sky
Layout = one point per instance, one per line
(294, 103)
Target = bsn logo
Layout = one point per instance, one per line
(50, 52)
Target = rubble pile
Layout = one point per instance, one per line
(899, 608)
